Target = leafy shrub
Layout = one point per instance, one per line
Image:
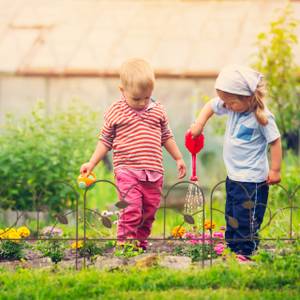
(89, 249)
(54, 249)
(40, 152)
(11, 250)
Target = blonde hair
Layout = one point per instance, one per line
(256, 102)
(137, 74)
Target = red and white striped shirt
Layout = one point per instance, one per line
(136, 137)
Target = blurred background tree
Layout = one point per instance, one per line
(276, 60)
(40, 152)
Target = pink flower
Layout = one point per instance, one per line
(202, 239)
(206, 238)
(219, 248)
(189, 235)
(191, 238)
(193, 242)
(218, 235)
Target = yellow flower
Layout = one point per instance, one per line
(23, 231)
(178, 232)
(10, 229)
(208, 225)
(77, 245)
(14, 236)
(4, 233)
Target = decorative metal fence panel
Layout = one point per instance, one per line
(195, 212)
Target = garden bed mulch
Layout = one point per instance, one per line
(158, 253)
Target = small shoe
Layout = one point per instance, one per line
(243, 258)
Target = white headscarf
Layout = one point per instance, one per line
(238, 80)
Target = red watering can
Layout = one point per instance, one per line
(194, 145)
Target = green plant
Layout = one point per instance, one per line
(290, 181)
(196, 252)
(52, 248)
(90, 249)
(11, 250)
(109, 244)
(276, 60)
(128, 250)
(41, 155)
(286, 256)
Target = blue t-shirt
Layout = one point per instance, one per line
(245, 143)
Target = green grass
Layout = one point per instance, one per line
(277, 280)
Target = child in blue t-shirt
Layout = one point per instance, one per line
(250, 128)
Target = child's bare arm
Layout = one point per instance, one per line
(97, 156)
(174, 151)
(276, 157)
(205, 113)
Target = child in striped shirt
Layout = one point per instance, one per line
(136, 127)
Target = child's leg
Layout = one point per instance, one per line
(151, 202)
(250, 225)
(260, 198)
(130, 217)
(229, 211)
(249, 220)
(238, 229)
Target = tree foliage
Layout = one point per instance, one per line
(276, 60)
(40, 152)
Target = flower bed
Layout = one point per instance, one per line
(52, 248)
(199, 244)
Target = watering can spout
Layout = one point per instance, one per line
(193, 178)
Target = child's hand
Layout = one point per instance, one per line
(196, 130)
(181, 167)
(273, 177)
(86, 169)
(205, 113)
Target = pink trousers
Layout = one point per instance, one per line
(143, 197)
